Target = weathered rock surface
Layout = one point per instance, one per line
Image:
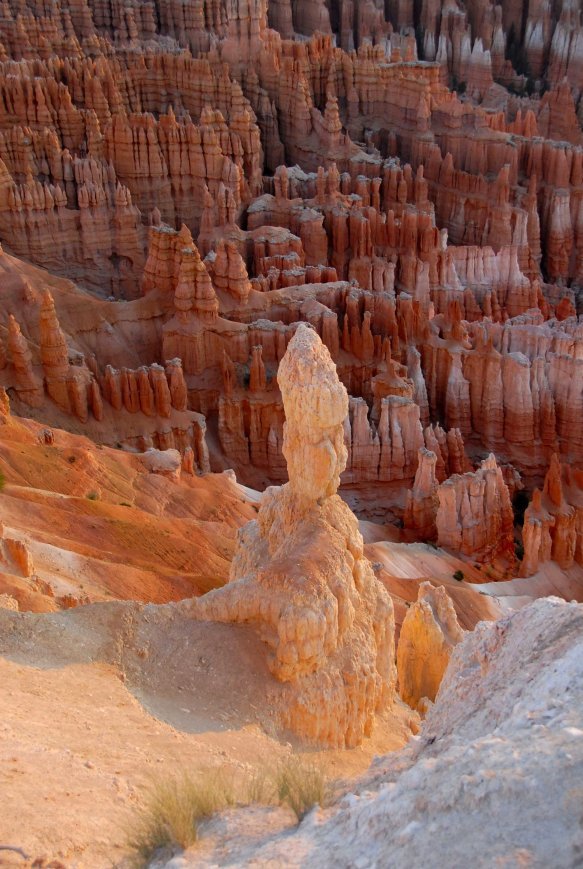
(553, 521)
(200, 181)
(300, 576)
(429, 633)
(82, 523)
(504, 736)
(423, 499)
(475, 514)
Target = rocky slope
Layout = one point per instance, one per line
(102, 699)
(493, 776)
(83, 524)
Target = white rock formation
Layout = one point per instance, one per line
(165, 462)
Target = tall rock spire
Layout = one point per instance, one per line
(300, 574)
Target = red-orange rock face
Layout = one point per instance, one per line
(196, 179)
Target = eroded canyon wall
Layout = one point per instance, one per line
(224, 171)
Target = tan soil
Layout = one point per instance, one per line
(92, 709)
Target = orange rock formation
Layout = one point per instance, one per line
(429, 633)
(300, 575)
(209, 176)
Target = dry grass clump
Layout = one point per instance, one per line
(175, 806)
(301, 786)
(173, 809)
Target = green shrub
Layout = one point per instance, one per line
(530, 87)
(93, 496)
(459, 86)
(459, 575)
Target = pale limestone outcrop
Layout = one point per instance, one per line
(17, 552)
(299, 574)
(7, 602)
(429, 633)
(229, 272)
(168, 463)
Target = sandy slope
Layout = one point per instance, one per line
(492, 780)
(139, 536)
(98, 699)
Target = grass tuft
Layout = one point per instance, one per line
(174, 806)
(173, 809)
(301, 786)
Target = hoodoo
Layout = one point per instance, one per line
(300, 575)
